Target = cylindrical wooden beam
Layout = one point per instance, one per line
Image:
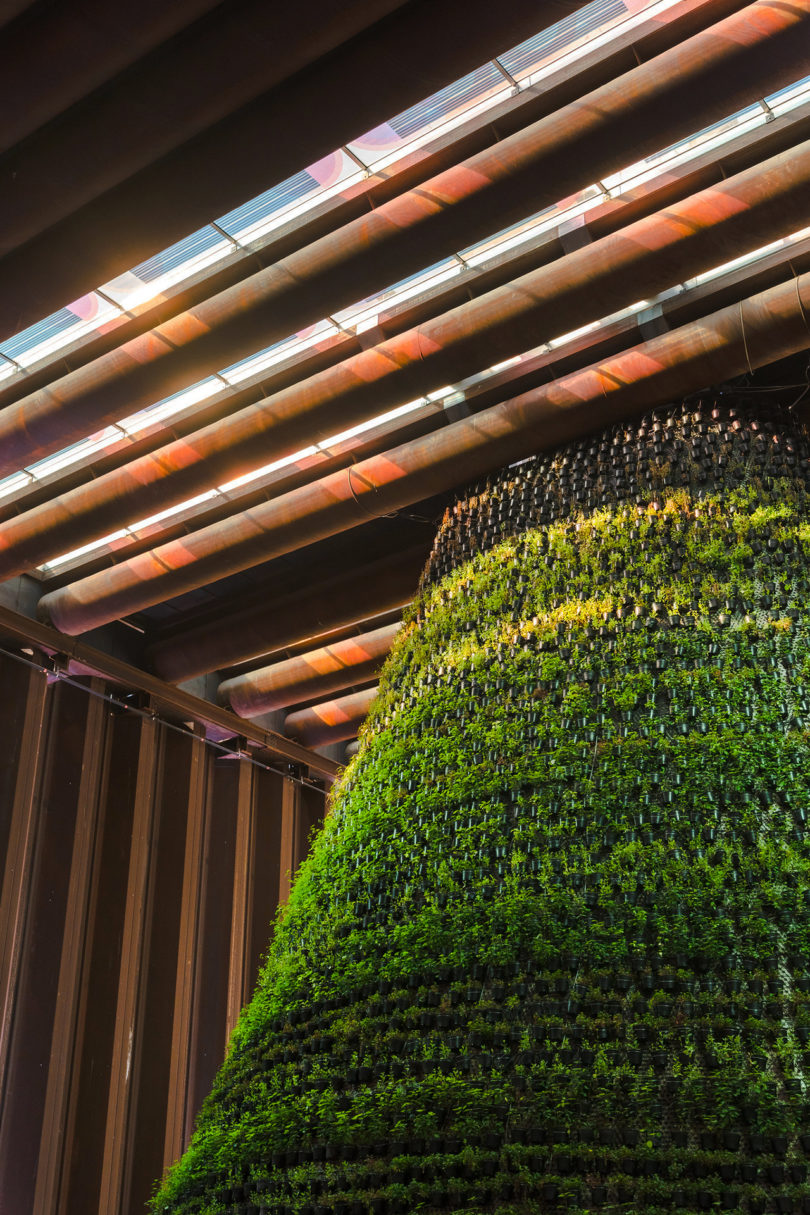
(757, 331)
(258, 627)
(331, 668)
(330, 721)
(731, 64)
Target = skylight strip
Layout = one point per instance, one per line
(60, 329)
(592, 41)
(171, 406)
(77, 453)
(476, 257)
(256, 231)
(163, 515)
(131, 294)
(527, 57)
(265, 471)
(16, 482)
(585, 41)
(449, 395)
(84, 551)
(237, 373)
(141, 284)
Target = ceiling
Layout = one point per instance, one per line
(252, 261)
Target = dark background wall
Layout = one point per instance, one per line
(141, 869)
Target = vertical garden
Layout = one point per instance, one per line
(550, 951)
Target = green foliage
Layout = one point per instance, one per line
(549, 950)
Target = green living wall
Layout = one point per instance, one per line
(550, 951)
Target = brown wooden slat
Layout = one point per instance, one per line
(266, 868)
(126, 1054)
(58, 1122)
(210, 998)
(21, 818)
(178, 1119)
(108, 905)
(158, 979)
(290, 811)
(242, 894)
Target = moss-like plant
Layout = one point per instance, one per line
(550, 949)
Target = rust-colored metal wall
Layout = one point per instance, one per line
(141, 869)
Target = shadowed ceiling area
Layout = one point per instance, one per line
(275, 283)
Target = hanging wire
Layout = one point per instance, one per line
(117, 703)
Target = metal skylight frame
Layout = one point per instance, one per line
(448, 396)
(528, 63)
(366, 313)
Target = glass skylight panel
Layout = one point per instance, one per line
(713, 136)
(746, 259)
(59, 329)
(267, 469)
(786, 99)
(15, 484)
(162, 515)
(287, 192)
(180, 254)
(277, 352)
(43, 331)
(420, 119)
(526, 58)
(589, 27)
(366, 313)
(171, 406)
(150, 278)
(84, 551)
(292, 197)
(549, 219)
(76, 453)
(380, 420)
